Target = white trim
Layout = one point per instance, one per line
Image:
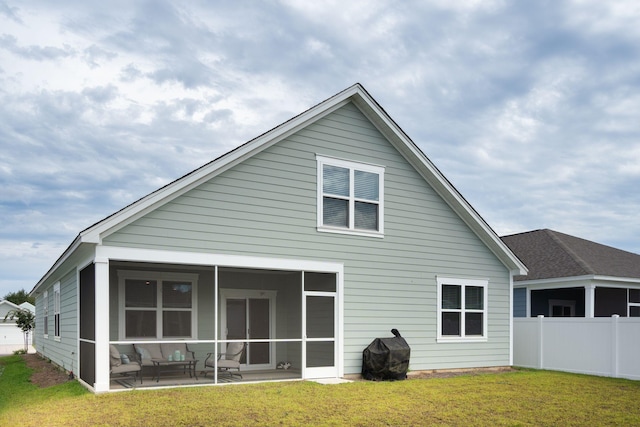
(102, 323)
(159, 277)
(118, 253)
(352, 166)
(577, 281)
(511, 318)
(483, 283)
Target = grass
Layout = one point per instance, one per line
(520, 398)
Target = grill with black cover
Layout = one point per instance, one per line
(386, 358)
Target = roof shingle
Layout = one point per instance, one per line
(549, 254)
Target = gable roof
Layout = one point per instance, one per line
(355, 94)
(550, 254)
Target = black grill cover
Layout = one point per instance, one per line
(386, 358)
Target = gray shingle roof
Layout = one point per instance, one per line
(548, 254)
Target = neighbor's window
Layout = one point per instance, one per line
(157, 305)
(350, 197)
(634, 302)
(45, 313)
(462, 309)
(56, 310)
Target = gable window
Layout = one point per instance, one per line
(56, 311)
(45, 314)
(462, 309)
(157, 305)
(350, 197)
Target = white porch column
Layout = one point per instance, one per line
(589, 300)
(528, 302)
(102, 325)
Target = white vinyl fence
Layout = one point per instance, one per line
(605, 346)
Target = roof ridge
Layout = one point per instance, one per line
(554, 235)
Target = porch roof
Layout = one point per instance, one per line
(550, 254)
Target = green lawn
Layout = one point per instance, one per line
(523, 397)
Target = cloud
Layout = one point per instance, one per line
(529, 109)
(35, 53)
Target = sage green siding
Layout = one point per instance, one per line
(266, 206)
(63, 352)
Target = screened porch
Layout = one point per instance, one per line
(285, 321)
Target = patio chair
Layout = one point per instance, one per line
(123, 365)
(227, 361)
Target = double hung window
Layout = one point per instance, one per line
(157, 305)
(350, 197)
(56, 310)
(45, 313)
(462, 309)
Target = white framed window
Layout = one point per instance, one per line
(350, 197)
(45, 313)
(56, 311)
(634, 302)
(462, 309)
(157, 305)
(562, 308)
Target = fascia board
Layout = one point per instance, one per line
(440, 184)
(10, 304)
(559, 282)
(64, 257)
(573, 281)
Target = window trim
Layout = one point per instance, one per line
(352, 166)
(159, 277)
(441, 281)
(56, 312)
(45, 314)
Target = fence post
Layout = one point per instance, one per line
(614, 345)
(540, 341)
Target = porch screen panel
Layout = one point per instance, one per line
(320, 354)
(88, 303)
(258, 329)
(323, 282)
(87, 356)
(320, 317)
(610, 301)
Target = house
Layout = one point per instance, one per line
(305, 244)
(573, 277)
(11, 336)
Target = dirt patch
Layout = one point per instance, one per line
(45, 373)
(421, 375)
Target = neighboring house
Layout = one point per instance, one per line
(573, 277)
(305, 243)
(11, 336)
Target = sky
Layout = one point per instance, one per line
(530, 109)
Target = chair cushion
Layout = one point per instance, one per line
(114, 356)
(130, 367)
(124, 359)
(149, 351)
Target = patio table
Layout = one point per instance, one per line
(166, 363)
